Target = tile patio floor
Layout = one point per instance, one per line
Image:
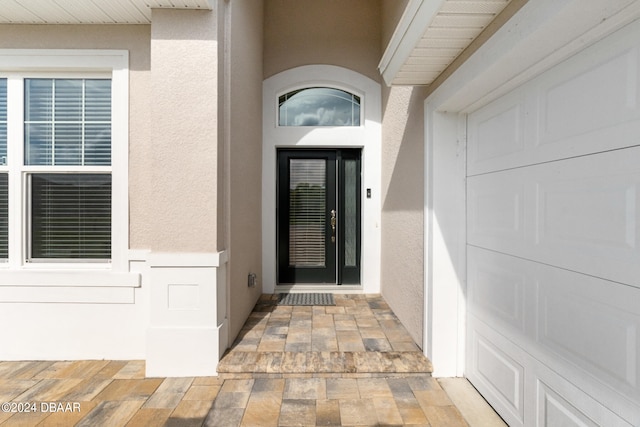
(351, 364)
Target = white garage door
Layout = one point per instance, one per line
(553, 208)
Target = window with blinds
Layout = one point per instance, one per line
(3, 122)
(67, 157)
(307, 212)
(70, 216)
(4, 217)
(67, 122)
(4, 177)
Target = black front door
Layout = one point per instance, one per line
(318, 223)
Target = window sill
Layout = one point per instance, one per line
(69, 278)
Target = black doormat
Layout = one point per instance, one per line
(306, 299)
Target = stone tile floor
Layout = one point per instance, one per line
(263, 383)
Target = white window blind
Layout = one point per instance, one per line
(71, 216)
(307, 212)
(3, 122)
(4, 216)
(4, 178)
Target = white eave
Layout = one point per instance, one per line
(431, 34)
(90, 11)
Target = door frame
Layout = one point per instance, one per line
(366, 137)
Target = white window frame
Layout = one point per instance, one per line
(15, 66)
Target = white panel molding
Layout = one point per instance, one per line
(188, 324)
(552, 409)
(496, 291)
(504, 385)
(67, 294)
(555, 410)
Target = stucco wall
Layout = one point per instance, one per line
(245, 157)
(392, 11)
(402, 283)
(402, 275)
(334, 32)
(135, 39)
(184, 84)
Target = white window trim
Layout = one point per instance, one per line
(18, 63)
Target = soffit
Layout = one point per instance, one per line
(90, 11)
(431, 34)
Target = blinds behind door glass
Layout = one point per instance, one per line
(71, 216)
(307, 212)
(3, 122)
(4, 216)
(68, 122)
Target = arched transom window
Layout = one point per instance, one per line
(319, 106)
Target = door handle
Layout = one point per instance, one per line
(333, 225)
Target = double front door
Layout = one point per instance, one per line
(319, 216)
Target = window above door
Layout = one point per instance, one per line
(319, 106)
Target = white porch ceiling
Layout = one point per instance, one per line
(431, 34)
(89, 11)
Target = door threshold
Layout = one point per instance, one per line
(318, 287)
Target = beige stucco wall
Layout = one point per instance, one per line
(184, 113)
(334, 32)
(402, 271)
(245, 157)
(402, 266)
(135, 39)
(392, 11)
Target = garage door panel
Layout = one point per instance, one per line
(496, 210)
(595, 211)
(601, 96)
(497, 132)
(599, 336)
(550, 397)
(553, 410)
(497, 289)
(560, 403)
(578, 324)
(581, 214)
(498, 373)
(588, 104)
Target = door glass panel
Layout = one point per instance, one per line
(307, 212)
(350, 213)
